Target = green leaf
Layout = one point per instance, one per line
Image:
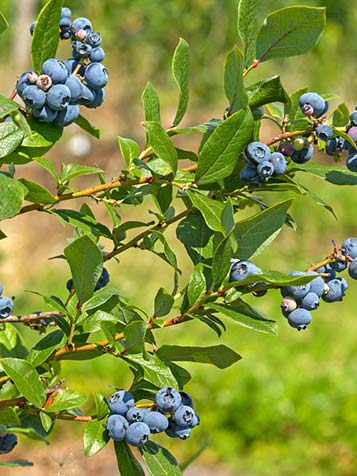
(3, 26)
(16, 463)
(128, 465)
(151, 103)
(45, 347)
(8, 416)
(10, 138)
(247, 28)
(11, 197)
(341, 116)
(335, 175)
(163, 303)
(180, 70)
(134, 337)
(233, 81)
(256, 233)
(101, 406)
(200, 128)
(220, 153)
(95, 437)
(70, 171)
(45, 37)
(86, 262)
(153, 370)
(211, 209)
(11, 343)
(267, 91)
(100, 297)
(159, 460)
(221, 262)
(245, 315)
(197, 285)
(47, 165)
(228, 217)
(84, 124)
(193, 232)
(66, 399)
(83, 222)
(46, 421)
(161, 144)
(217, 355)
(290, 31)
(26, 380)
(129, 149)
(37, 193)
(42, 138)
(7, 105)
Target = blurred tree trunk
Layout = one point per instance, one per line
(24, 14)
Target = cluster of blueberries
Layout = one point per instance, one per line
(101, 283)
(8, 441)
(172, 412)
(6, 304)
(299, 301)
(55, 95)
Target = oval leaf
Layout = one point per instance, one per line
(95, 437)
(180, 70)
(12, 196)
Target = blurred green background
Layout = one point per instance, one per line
(290, 406)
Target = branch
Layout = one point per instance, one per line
(36, 316)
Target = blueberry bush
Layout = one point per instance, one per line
(202, 193)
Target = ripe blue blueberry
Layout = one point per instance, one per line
(82, 24)
(317, 285)
(176, 431)
(71, 65)
(34, 97)
(135, 414)
(97, 54)
(65, 23)
(156, 421)
(257, 152)
(185, 417)
(265, 169)
(81, 50)
(279, 163)
(351, 162)
(96, 75)
(74, 84)
(242, 269)
(324, 132)
(65, 34)
(46, 114)
(300, 318)
(66, 12)
(349, 247)
(248, 172)
(1, 289)
(340, 264)
(300, 291)
(67, 116)
(56, 69)
(303, 155)
(117, 426)
(6, 307)
(310, 302)
(167, 399)
(103, 280)
(94, 39)
(87, 96)
(99, 96)
(7, 443)
(186, 399)
(120, 402)
(58, 97)
(352, 269)
(312, 104)
(353, 118)
(335, 291)
(137, 434)
(334, 146)
(23, 82)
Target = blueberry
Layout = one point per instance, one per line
(117, 426)
(168, 399)
(352, 132)
(135, 414)
(176, 431)
(99, 96)
(32, 27)
(96, 75)
(156, 421)
(351, 162)
(279, 163)
(6, 307)
(23, 82)
(185, 417)
(71, 65)
(242, 269)
(74, 84)
(328, 270)
(34, 97)
(265, 169)
(65, 23)
(312, 104)
(324, 132)
(82, 24)
(334, 146)
(343, 282)
(103, 280)
(257, 152)
(353, 118)
(137, 434)
(186, 399)
(303, 155)
(1, 289)
(335, 291)
(69, 285)
(120, 402)
(67, 116)
(46, 114)
(66, 13)
(317, 285)
(340, 264)
(97, 54)
(44, 82)
(310, 302)
(7, 443)
(352, 269)
(288, 305)
(56, 69)
(87, 96)
(297, 292)
(58, 97)
(65, 34)
(248, 172)
(286, 148)
(300, 318)
(349, 247)
(94, 39)
(81, 50)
